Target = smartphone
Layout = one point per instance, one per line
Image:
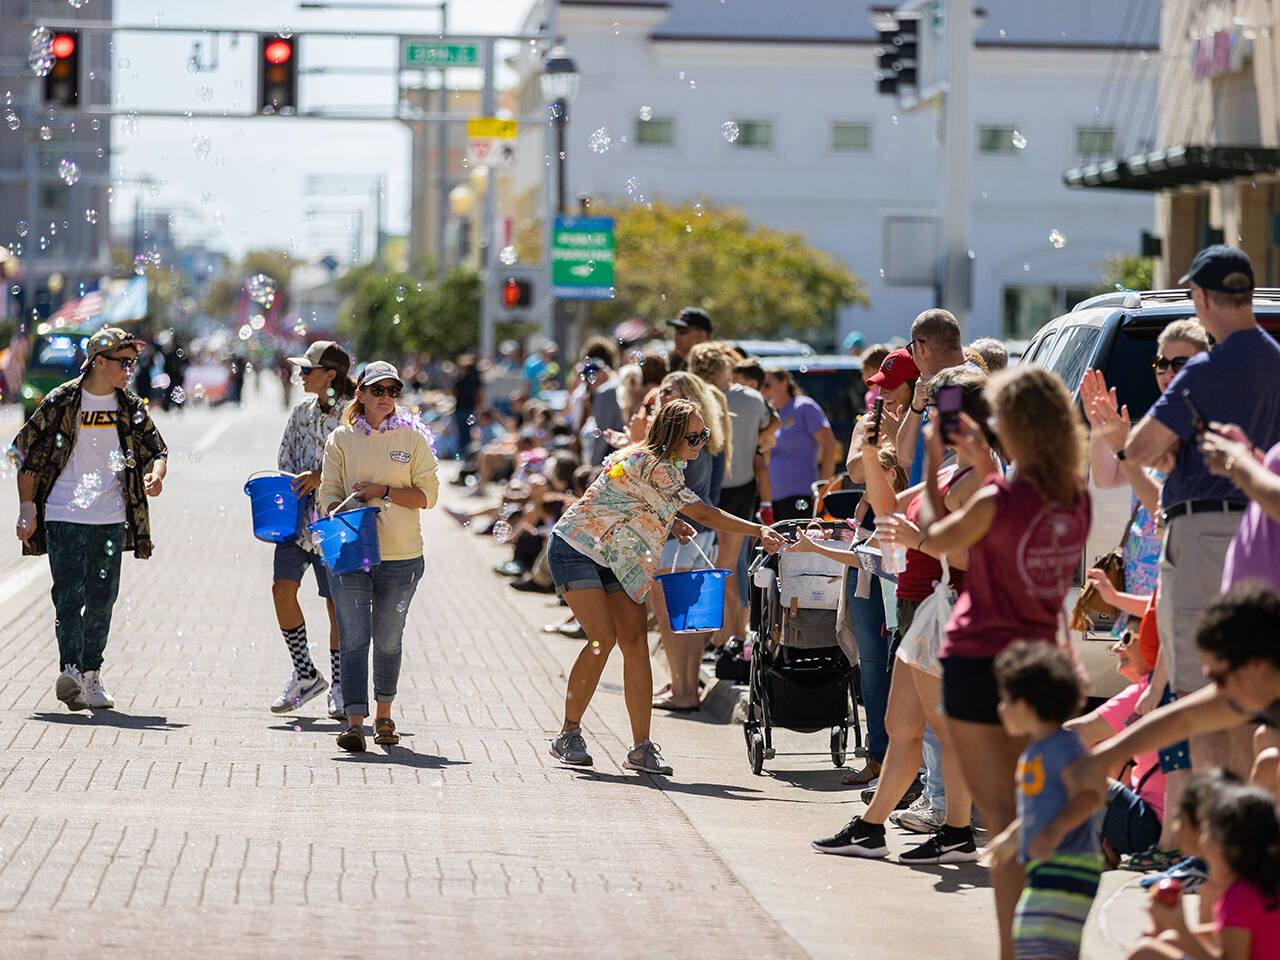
(877, 412)
(949, 401)
(1197, 418)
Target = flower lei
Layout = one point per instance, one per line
(401, 418)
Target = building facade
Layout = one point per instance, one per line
(819, 152)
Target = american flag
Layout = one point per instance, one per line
(79, 312)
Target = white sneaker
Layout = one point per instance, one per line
(921, 818)
(336, 709)
(297, 692)
(95, 694)
(70, 689)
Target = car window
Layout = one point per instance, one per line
(1041, 349)
(1072, 354)
(835, 391)
(55, 353)
(1128, 369)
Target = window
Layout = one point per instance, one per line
(1095, 142)
(851, 137)
(1072, 354)
(996, 140)
(655, 132)
(754, 133)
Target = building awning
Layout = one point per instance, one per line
(1179, 166)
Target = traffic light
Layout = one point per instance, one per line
(62, 82)
(516, 293)
(896, 54)
(277, 74)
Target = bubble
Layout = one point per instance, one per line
(401, 294)
(632, 185)
(22, 228)
(595, 647)
(802, 504)
(90, 215)
(1026, 267)
(681, 75)
(246, 332)
(206, 93)
(502, 531)
(646, 113)
(600, 141)
(110, 548)
(59, 440)
(698, 209)
(95, 124)
(1057, 240)
(261, 289)
(69, 171)
(1019, 140)
(40, 51)
(402, 606)
(12, 120)
(87, 489)
(131, 123)
(115, 461)
(201, 146)
(730, 130)
(507, 256)
(76, 4)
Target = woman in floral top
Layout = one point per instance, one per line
(603, 555)
(323, 369)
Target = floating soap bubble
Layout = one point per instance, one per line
(261, 289)
(632, 185)
(1026, 267)
(730, 130)
(22, 228)
(201, 146)
(600, 141)
(402, 606)
(40, 51)
(1057, 240)
(178, 395)
(507, 256)
(87, 489)
(401, 294)
(246, 332)
(76, 4)
(257, 321)
(502, 531)
(115, 461)
(1019, 140)
(69, 171)
(646, 113)
(90, 215)
(12, 120)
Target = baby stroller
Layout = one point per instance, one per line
(801, 679)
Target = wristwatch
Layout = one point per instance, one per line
(386, 497)
(918, 413)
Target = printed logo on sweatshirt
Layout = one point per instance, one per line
(94, 419)
(400, 456)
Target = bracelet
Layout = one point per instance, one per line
(386, 497)
(918, 413)
(1229, 464)
(1121, 455)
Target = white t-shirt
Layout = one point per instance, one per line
(89, 489)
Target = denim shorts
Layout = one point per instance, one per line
(291, 562)
(571, 570)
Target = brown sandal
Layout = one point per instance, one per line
(352, 740)
(384, 732)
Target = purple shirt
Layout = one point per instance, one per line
(793, 467)
(1254, 553)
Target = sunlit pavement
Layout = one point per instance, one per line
(190, 819)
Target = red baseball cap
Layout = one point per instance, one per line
(895, 370)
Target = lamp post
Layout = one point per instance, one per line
(559, 83)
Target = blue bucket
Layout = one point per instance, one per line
(277, 510)
(349, 540)
(695, 599)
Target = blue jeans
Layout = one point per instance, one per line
(935, 791)
(866, 617)
(1127, 822)
(372, 608)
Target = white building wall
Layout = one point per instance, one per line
(839, 200)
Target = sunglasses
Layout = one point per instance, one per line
(1219, 677)
(1163, 364)
(377, 391)
(128, 363)
(699, 438)
(1125, 640)
(911, 347)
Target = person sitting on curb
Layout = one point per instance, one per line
(88, 458)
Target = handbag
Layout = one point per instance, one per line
(1090, 603)
(921, 645)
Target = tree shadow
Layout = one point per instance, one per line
(111, 718)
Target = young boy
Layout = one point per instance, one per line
(1052, 835)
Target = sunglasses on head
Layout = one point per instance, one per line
(1163, 364)
(380, 391)
(699, 438)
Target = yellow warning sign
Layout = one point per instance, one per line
(492, 128)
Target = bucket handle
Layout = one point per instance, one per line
(693, 543)
(342, 504)
(262, 473)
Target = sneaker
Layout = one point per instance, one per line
(336, 710)
(948, 845)
(908, 798)
(922, 818)
(298, 691)
(1152, 858)
(95, 694)
(920, 805)
(70, 688)
(646, 757)
(569, 747)
(1192, 871)
(857, 839)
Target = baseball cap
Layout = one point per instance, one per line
(1215, 265)
(324, 353)
(106, 340)
(854, 339)
(379, 370)
(895, 370)
(692, 317)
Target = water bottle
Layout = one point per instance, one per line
(894, 555)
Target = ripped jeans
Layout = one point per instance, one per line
(372, 608)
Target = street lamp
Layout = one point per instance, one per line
(559, 83)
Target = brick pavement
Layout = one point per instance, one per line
(190, 818)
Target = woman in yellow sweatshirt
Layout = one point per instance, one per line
(384, 456)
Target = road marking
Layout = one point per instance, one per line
(16, 583)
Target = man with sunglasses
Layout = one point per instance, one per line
(89, 457)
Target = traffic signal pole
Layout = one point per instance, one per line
(956, 269)
(488, 295)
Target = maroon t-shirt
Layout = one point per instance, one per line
(923, 571)
(1019, 573)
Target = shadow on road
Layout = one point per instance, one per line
(820, 781)
(310, 725)
(720, 791)
(957, 876)
(111, 718)
(402, 756)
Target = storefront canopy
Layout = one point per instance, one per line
(1180, 166)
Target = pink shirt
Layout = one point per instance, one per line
(1118, 712)
(1019, 573)
(1243, 906)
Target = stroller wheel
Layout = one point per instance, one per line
(755, 753)
(839, 745)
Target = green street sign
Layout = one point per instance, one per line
(420, 53)
(582, 258)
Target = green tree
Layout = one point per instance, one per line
(394, 315)
(1127, 272)
(752, 279)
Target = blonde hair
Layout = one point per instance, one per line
(713, 406)
(1035, 413)
(630, 389)
(709, 360)
(356, 409)
(977, 359)
(1184, 331)
(666, 433)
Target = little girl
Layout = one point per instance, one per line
(1240, 842)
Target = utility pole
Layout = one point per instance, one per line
(442, 156)
(956, 269)
(488, 106)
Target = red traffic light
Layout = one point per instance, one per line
(277, 51)
(510, 293)
(64, 45)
